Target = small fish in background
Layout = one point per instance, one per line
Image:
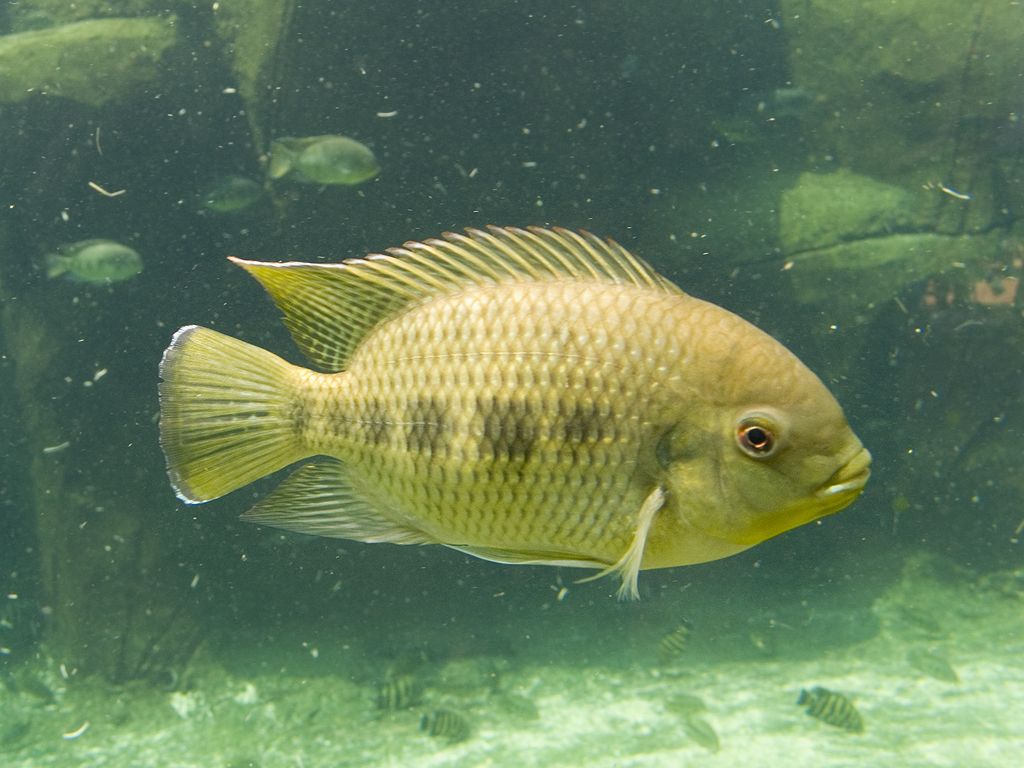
(445, 724)
(932, 664)
(515, 704)
(762, 642)
(322, 160)
(750, 120)
(401, 692)
(787, 102)
(231, 194)
(93, 261)
(673, 644)
(921, 620)
(832, 708)
(685, 704)
(702, 732)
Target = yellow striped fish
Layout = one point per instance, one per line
(832, 708)
(522, 395)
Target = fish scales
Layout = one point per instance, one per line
(525, 396)
(457, 406)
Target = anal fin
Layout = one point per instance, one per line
(516, 557)
(318, 500)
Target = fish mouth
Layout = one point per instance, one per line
(839, 491)
(848, 481)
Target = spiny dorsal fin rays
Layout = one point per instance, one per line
(458, 257)
(559, 256)
(329, 308)
(559, 253)
(634, 270)
(596, 264)
(520, 261)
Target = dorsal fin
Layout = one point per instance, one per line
(329, 308)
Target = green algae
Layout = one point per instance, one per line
(92, 62)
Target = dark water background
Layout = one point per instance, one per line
(615, 105)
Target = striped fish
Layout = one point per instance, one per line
(399, 692)
(445, 724)
(674, 643)
(832, 708)
(932, 664)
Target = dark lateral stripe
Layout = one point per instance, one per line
(581, 422)
(511, 428)
(426, 425)
(375, 423)
(299, 416)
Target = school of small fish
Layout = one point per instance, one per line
(326, 160)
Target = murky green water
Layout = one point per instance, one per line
(848, 176)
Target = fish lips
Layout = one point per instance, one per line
(849, 480)
(839, 491)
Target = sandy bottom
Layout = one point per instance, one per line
(292, 703)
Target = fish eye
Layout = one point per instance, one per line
(756, 438)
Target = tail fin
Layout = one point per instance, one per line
(225, 413)
(282, 160)
(56, 264)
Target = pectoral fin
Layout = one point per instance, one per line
(628, 566)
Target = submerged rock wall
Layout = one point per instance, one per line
(92, 62)
(916, 92)
(922, 147)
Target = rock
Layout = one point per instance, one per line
(919, 92)
(854, 242)
(254, 34)
(92, 62)
(39, 14)
(825, 209)
(852, 278)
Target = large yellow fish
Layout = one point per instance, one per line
(526, 396)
